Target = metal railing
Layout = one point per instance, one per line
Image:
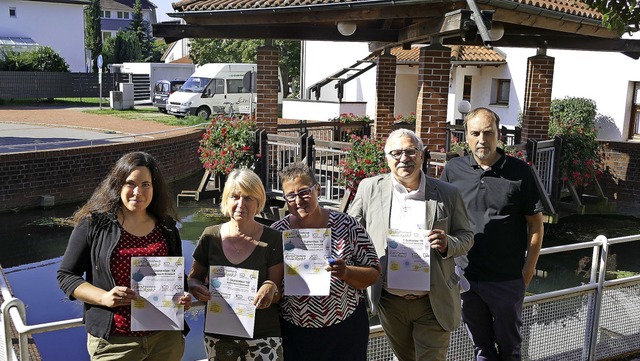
(278, 151)
(128, 138)
(597, 320)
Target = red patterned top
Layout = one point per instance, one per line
(153, 244)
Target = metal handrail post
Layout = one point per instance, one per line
(23, 344)
(593, 279)
(598, 296)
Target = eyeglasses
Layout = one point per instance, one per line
(397, 153)
(304, 194)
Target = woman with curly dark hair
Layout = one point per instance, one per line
(130, 214)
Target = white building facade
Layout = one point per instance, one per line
(610, 79)
(56, 24)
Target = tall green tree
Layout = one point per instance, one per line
(204, 51)
(93, 31)
(622, 16)
(141, 28)
(124, 47)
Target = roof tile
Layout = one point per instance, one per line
(573, 7)
(459, 53)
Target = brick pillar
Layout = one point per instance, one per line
(433, 94)
(267, 88)
(537, 97)
(385, 94)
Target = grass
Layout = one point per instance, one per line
(148, 114)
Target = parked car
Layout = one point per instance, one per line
(162, 90)
(214, 88)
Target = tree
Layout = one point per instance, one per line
(204, 51)
(141, 28)
(93, 30)
(124, 47)
(618, 15)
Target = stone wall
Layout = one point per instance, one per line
(71, 175)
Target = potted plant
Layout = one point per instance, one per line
(228, 143)
(573, 119)
(365, 158)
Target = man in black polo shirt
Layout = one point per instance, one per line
(504, 211)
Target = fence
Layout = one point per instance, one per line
(597, 320)
(277, 151)
(33, 84)
(326, 131)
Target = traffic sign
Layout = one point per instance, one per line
(100, 61)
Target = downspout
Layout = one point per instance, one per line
(482, 28)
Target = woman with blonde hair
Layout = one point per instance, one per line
(244, 243)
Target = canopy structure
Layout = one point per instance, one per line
(559, 24)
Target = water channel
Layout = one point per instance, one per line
(31, 248)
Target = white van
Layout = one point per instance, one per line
(213, 88)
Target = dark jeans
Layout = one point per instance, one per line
(492, 313)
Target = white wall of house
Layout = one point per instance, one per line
(63, 30)
(323, 58)
(607, 78)
(406, 89)
(177, 50)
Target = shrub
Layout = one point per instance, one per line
(228, 143)
(365, 158)
(42, 58)
(574, 120)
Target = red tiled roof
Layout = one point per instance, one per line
(475, 54)
(459, 53)
(573, 7)
(406, 56)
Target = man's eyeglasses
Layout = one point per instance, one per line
(397, 153)
(304, 194)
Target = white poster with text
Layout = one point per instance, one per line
(159, 284)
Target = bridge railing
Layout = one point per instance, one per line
(593, 321)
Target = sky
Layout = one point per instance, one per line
(164, 7)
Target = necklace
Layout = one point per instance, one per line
(242, 237)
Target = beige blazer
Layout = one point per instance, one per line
(445, 210)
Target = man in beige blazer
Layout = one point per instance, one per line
(417, 322)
